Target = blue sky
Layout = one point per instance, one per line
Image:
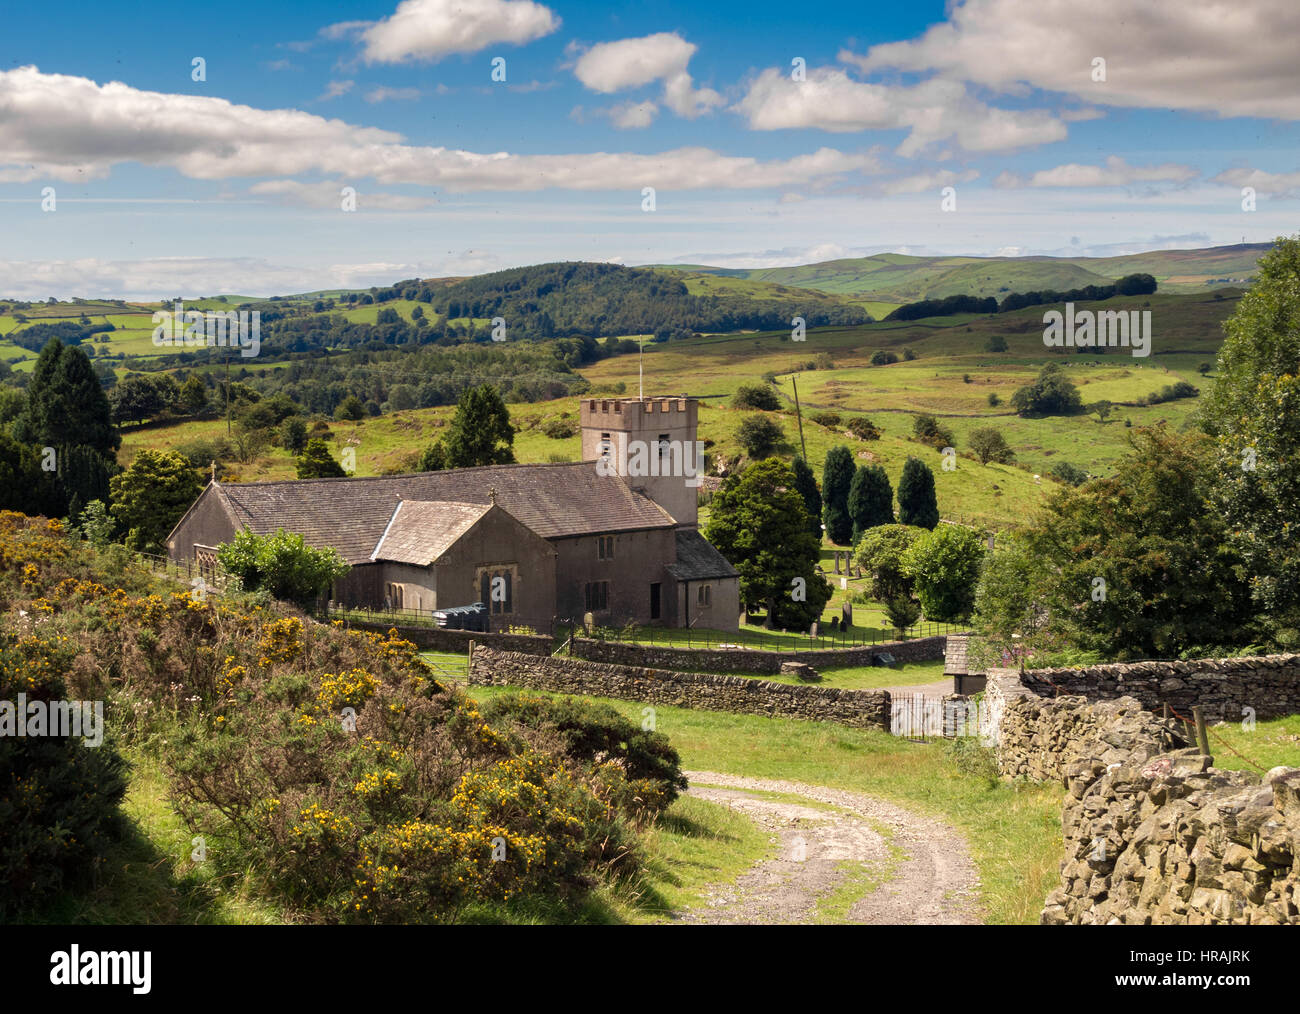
(165, 185)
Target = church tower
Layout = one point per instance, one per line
(651, 443)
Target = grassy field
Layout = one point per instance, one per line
(1013, 829)
(1269, 744)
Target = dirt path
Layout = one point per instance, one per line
(887, 864)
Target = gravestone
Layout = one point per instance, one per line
(837, 561)
(835, 624)
(846, 613)
(814, 630)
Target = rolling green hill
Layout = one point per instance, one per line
(901, 278)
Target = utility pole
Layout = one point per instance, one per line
(794, 382)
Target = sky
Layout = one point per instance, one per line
(159, 149)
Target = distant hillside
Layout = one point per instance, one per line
(900, 278)
(568, 298)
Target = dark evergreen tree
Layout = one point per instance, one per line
(871, 499)
(837, 477)
(66, 403)
(917, 503)
(805, 484)
(480, 433)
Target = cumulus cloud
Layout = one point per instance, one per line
(1233, 59)
(164, 277)
(932, 111)
(610, 67)
(334, 89)
(633, 115)
(432, 29)
(1115, 173)
(55, 126)
(922, 182)
(1274, 184)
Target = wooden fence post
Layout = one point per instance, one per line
(469, 663)
(1202, 735)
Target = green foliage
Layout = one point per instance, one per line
(863, 428)
(282, 564)
(837, 479)
(1052, 393)
(592, 734)
(151, 495)
(24, 485)
(880, 554)
(140, 396)
(95, 524)
(1008, 613)
(996, 343)
(994, 400)
(66, 404)
(194, 396)
(756, 396)
(883, 357)
(293, 434)
(917, 503)
(1174, 577)
(902, 611)
(59, 795)
(759, 436)
(830, 420)
(759, 523)
(988, 444)
(316, 462)
(1064, 472)
(871, 499)
(1253, 412)
(945, 565)
(433, 459)
(350, 409)
(805, 484)
(559, 429)
(480, 432)
(1101, 409)
(927, 429)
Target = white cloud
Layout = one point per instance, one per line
(932, 111)
(922, 182)
(1115, 173)
(610, 67)
(1234, 59)
(433, 29)
(633, 115)
(54, 126)
(383, 94)
(335, 89)
(1275, 184)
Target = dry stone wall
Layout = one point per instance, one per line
(864, 709)
(1268, 685)
(921, 649)
(1152, 832)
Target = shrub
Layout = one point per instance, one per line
(883, 357)
(902, 611)
(831, 420)
(1064, 472)
(756, 396)
(282, 563)
(928, 431)
(988, 444)
(945, 566)
(995, 344)
(59, 799)
(559, 429)
(759, 436)
(863, 428)
(1052, 393)
(994, 400)
(595, 734)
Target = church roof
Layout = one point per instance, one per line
(351, 514)
(420, 531)
(697, 559)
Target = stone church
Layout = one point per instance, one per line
(614, 535)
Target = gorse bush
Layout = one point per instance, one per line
(325, 768)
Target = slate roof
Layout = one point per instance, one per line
(421, 531)
(697, 559)
(954, 656)
(351, 514)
